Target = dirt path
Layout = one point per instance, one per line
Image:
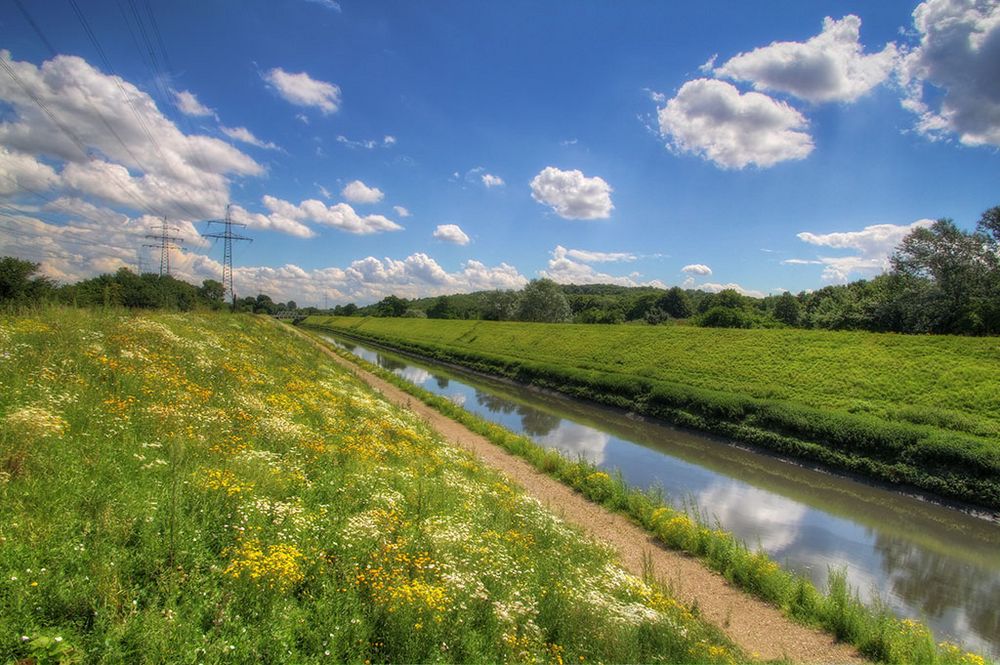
(757, 627)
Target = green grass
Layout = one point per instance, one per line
(210, 488)
(873, 629)
(923, 411)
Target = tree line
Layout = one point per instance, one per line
(942, 280)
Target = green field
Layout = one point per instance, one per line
(923, 410)
(210, 488)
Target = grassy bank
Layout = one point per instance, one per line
(210, 488)
(873, 629)
(921, 411)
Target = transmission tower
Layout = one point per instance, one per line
(228, 237)
(166, 243)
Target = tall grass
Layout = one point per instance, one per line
(877, 633)
(210, 488)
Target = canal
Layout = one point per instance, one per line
(925, 561)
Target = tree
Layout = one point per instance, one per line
(441, 309)
(19, 282)
(542, 300)
(786, 309)
(390, 306)
(212, 293)
(964, 267)
(676, 303)
(655, 316)
(499, 305)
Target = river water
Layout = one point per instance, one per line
(925, 561)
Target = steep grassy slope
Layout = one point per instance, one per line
(208, 488)
(919, 410)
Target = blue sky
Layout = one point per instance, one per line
(764, 146)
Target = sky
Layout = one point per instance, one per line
(423, 148)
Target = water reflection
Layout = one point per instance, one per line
(924, 561)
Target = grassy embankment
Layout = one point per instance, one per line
(210, 488)
(918, 410)
(876, 632)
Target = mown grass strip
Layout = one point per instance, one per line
(950, 464)
(874, 630)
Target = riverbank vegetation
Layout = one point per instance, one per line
(210, 488)
(873, 629)
(914, 410)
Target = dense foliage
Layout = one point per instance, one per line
(211, 488)
(917, 410)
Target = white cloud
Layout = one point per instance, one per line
(178, 175)
(563, 269)
(332, 5)
(958, 58)
(401, 211)
(273, 222)
(712, 119)
(358, 192)
(588, 256)
(340, 216)
(715, 287)
(451, 233)
(872, 246)
(697, 269)
(369, 144)
(491, 180)
(303, 90)
(830, 67)
(571, 194)
(326, 193)
(246, 136)
(19, 171)
(188, 104)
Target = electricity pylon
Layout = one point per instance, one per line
(228, 237)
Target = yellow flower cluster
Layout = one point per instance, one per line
(396, 579)
(278, 566)
(225, 480)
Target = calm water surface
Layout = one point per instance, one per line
(925, 561)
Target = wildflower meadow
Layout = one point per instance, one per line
(205, 488)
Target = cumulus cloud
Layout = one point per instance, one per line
(188, 104)
(246, 136)
(491, 180)
(697, 269)
(401, 211)
(451, 233)
(588, 256)
(19, 171)
(146, 163)
(358, 192)
(340, 216)
(713, 119)
(872, 247)
(715, 287)
(830, 67)
(303, 90)
(563, 269)
(951, 76)
(571, 194)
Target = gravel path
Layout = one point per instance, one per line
(758, 628)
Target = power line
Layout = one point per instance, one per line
(227, 262)
(167, 243)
